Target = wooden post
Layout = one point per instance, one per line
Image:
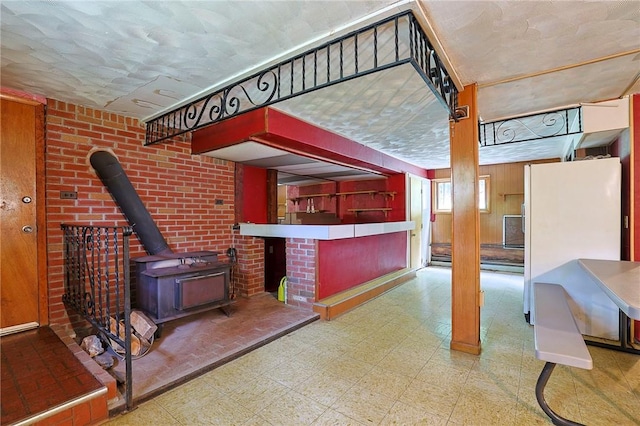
(272, 196)
(238, 189)
(465, 235)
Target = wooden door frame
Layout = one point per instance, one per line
(39, 105)
(418, 231)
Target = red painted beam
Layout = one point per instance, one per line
(279, 130)
(229, 132)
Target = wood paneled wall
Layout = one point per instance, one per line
(506, 195)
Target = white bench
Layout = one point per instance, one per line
(557, 340)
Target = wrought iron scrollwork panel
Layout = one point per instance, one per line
(394, 41)
(562, 122)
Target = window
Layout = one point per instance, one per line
(442, 200)
(441, 195)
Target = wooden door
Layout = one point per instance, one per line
(18, 237)
(415, 202)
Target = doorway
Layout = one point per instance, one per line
(419, 209)
(22, 224)
(275, 263)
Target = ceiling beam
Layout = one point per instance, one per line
(276, 129)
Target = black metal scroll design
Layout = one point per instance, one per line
(391, 42)
(562, 122)
(97, 283)
(430, 68)
(229, 101)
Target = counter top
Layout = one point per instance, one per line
(324, 232)
(620, 280)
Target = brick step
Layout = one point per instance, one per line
(46, 382)
(88, 409)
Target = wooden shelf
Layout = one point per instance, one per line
(504, 195)
(306, 197)
(374, 209)
(391, 194)
(370, 192)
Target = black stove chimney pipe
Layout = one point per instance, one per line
(115, 179)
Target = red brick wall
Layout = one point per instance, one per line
(301, 272)
(248, 273)
(179, 190)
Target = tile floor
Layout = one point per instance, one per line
(191, 345)
(388, 362)
(38, 373)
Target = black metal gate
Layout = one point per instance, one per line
(97, 284)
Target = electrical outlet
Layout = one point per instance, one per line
(68, 195)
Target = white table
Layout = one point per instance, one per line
(620, 280)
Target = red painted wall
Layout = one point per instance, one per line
(341, 204)
(398, 203)
(621, 148)
(254, 195)
(635, 187)
(323, 204)
(362, 201)
(179, 190)
(343, 264)
(635, 175)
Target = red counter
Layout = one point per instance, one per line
(323, 260)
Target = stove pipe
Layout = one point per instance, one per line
(116, 181)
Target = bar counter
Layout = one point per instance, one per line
(323, 260)
(324, 232)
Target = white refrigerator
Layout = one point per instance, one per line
(572, 210)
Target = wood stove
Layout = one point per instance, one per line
(171, 286)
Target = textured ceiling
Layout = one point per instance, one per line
(140, 58)
(105, 53)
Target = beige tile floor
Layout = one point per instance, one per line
(388, 362)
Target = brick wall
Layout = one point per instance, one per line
(301, 272)
(179, 190)
(248, 274)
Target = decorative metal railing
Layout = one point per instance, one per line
(545, 125)
(389, 43)
(97, 284)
